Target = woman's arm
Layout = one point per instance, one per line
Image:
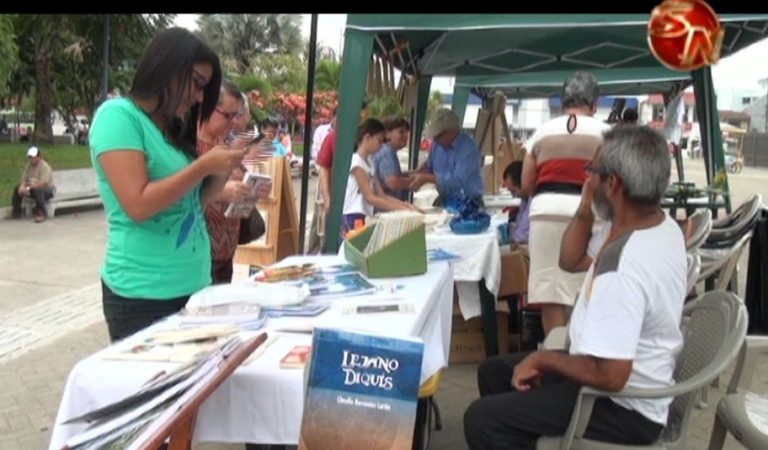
(378, 201)
(126, 172)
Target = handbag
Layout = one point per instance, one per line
(251, 227)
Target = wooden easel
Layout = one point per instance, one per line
(281, 238)
(490, 123)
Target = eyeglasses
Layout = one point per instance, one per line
(591, 168)
(232, 115)
(199, 80)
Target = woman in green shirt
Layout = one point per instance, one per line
(153, 184)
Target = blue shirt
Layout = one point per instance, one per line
(457, 168)
(386, 164)
(522, 223)
(279, 148)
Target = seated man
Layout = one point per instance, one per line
(454, 163)
(37, 183)
(520, 223)
(625, 327)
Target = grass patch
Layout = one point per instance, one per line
(13, 160)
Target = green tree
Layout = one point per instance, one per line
(78, 70)
(435, 102)
(9, 52)
(327, 75)
(285, 72)
(238, 38)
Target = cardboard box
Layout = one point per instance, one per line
(403, 257)
(514, 272)
(467, 341)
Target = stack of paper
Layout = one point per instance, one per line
(247, 316)
(390, 227)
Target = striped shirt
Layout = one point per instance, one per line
(224, 232)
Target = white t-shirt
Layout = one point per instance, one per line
(354, 202)
(632, 309)
(317, 139)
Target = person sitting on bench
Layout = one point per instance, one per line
(36, 183)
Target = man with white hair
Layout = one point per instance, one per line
(454, 163)
(625, 327)
(36, 183)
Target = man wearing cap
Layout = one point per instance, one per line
(36, 182)
(454, 162)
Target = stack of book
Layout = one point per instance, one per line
(390, 227)
(132, 421)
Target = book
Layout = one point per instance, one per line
(226, 313)
(362, 392)
(297, 358)
(379, 308)
(342, 285)
(304, 310)
(244, 208)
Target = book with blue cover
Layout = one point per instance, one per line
(362, 392)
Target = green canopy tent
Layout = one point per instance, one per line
(613, 82)
(426, 45)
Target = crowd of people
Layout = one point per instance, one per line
(604, 258)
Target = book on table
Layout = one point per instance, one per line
(362, 391)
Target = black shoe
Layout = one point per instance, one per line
(16, 215)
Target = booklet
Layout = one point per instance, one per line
(243, 209)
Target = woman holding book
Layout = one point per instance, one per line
(154, 185)
(224, 231)
(363, 190)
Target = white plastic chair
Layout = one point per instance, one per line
(711, 343)
(742, 413)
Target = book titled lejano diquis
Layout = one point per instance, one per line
(362, 392)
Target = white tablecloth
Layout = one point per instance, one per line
(260, 402)
(481, 260)
(500, 201)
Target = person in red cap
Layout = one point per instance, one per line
(36, 183)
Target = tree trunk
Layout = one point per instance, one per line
(43, 133)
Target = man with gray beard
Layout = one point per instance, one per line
(625, 326)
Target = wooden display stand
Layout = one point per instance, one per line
(281, 238)
(491, 127)
(180, 429)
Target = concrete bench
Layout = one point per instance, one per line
(74, 188)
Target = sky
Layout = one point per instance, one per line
(739, 71)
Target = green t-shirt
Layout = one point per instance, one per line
(168, 255)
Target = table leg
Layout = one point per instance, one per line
(490, 330)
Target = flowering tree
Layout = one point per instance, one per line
(291, 108)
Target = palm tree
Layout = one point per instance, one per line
(327, 75)
(240, 37)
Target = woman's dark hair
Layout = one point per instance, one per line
(164, 73)
(395, 122)
(514, 171)
(270, 122)
(369, 126)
